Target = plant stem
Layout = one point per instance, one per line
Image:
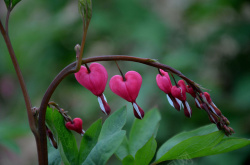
(20, 79)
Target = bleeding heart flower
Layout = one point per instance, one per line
(95, 81)
(211, 105)
(75, 126)
(164, 83)
(190, 90)
(180, 93)
(128, 89)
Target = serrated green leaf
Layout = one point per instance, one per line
(193, 147)
(128, 160)
(104, 149)
(89, 140)
(123, 149)
(142, 130)
(183, 136)
(65, 139)
(146, 153)
(113, 123)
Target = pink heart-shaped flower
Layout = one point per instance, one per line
(75, 126)
(163, 81)
(96, 80)
(128, 89)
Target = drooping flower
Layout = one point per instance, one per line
(164, 83)
(211, 105)
(76, 125)
(190, 90)
(128, 89)
(95, 79)
(179, 92)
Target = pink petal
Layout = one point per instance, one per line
(164, 82)
(128, 89)
(96, 80)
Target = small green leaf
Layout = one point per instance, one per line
(114, 123)
(123, 149)
(183, 136)
(128, 160)
(104, 149)
(7, 3)
(65, 139)
(89, 140)
(85, 8)
(142, 130)
(146, 153)
(193, 147)
(15, 2)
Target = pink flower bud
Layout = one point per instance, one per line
(95, 81)
(128, 89)
(180, 93)
(75, 126)
(190, 90)
(164, 83)
(211, 105)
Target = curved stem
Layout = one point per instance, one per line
(71, 68)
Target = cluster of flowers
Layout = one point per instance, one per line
(95, 77)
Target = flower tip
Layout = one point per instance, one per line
(104, 104)
(138, 111)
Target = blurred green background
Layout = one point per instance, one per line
(208, 41)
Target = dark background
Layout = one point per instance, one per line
(208, 41)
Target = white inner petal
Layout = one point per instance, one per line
(213, 109)
(101, 105)
(212, 118)
(170, 101)
(83, 132)
(188, 108)
(197, 102)
(214, 104)
(179, 102)
(105, 98)
(137, 110)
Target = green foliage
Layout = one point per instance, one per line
(143, 130)
(10, 4)
(85, 8)
(146, 153)
(65, 139)
(198, 143)
(89, 140)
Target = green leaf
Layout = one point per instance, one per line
(104, 149)
(65, 139)
(54, 157)
(89, 140)
(114, 123)
(183, 136)
(7, 3)
(128, 160)
(15, 2)
(142, 130)
(193, 147)
(146, 153)
(228, 144)
(123, 149)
